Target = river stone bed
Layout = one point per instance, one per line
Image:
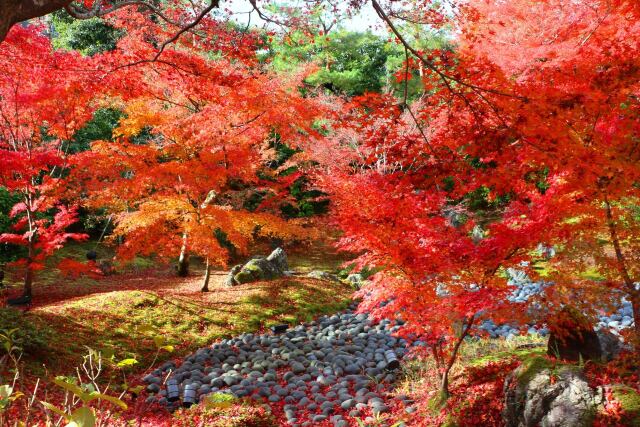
(525, 288)
(336, 366)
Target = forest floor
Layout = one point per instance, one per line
(143, 316)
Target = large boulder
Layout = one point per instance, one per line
(278, 258)
(260, 268)
(610, 344)
(573, 337)
(540, 394)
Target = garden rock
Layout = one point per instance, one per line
(574, 338)
(278, 258)
(538, 395)
(610, 344)
(261, 268)
(231, 280)
(355, 279)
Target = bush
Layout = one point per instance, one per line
(29, 337)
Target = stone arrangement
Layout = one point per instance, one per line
(324, 371)
(259, 268)
(524, 288)
(335, 367)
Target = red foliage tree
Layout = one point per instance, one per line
(525, 135)
(209, 123)
(41, 103)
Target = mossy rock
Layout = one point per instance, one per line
(629, 399)
(531, 367)
(255, 270)
(542, 392)
(573, 337)
(243, 277)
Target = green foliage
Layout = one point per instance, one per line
(100, 127)
(308, 202)
(90, 36)
(223, 241)
(355, 63)
(254, 200)
(8, 396)
(352, 63)
(82, 416)
(8, 253)
(27, 336)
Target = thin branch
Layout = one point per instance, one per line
(446, 79)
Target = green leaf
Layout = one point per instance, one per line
(55, 410)
(5, 391)
(136, 390)
(159, 340)
(82, 417)
(112, 399)
(168, 348)
(127, 362)
(60, 382)
(218, 400)
(107, 353)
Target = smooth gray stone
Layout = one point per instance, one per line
(347, 404)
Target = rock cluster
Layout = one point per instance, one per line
(524, 289)
(259, 268)
(337, 366)
(323, 275)
(621, 319)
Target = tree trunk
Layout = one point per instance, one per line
(28, 274)
(28, 280)
(14, 11)
(207, 276)
(444, 384)
(624, 270)
(183, 260)
(444, 387)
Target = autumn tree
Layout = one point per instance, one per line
(578, 124)
(40, 105)
(524, 136)
(209, 124)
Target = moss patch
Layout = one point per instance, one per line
(531, 367)
(630, 401)
(519, 353)
(126, 322)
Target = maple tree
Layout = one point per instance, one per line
(524, 136)
(209, 123)
(37, 112)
